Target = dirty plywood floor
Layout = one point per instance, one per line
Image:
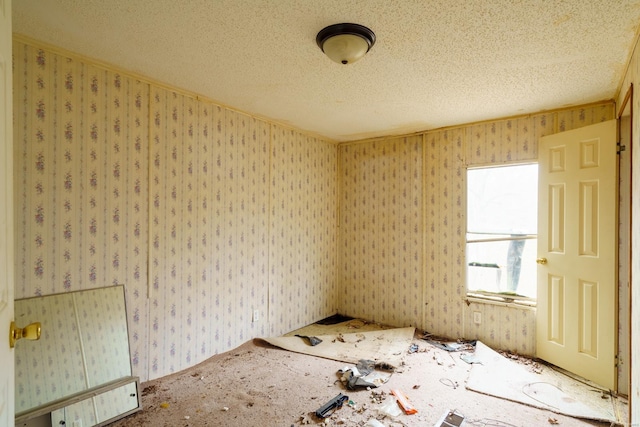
(261, 385)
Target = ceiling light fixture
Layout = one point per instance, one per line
(345, 43)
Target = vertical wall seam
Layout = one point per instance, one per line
(423, 218)
(148, 232)
(269, 219)
(338, 233)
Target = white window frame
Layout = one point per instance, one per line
(499, 297)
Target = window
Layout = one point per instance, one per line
(502, 227)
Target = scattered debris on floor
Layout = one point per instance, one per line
(438, 360)
(453, 419)
(373, 400)
(470, 358)
(403, 401)
(533, 365)
(313, 341)
(449, 383)
(522, 380)
(363, 375)
(382, 345)
(378, 396)
(331, 406)
(389, 408)
(149, 390)
(459, 345)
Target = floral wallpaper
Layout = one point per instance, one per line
(209, 216)
(205, 215)
(209, 228)
(302, 223)
(81, 172)
(444, 235)
(368, 242)
(381, 262)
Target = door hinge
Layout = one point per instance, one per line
(620, 148)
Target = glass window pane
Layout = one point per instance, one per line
(503, 266)
(503, 200)
(502, 206)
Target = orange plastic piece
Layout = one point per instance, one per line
(403, 400)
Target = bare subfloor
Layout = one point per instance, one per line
(260, 385)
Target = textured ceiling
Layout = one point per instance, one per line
(434, 64)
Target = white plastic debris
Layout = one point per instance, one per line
(373, 423)
(390, 408)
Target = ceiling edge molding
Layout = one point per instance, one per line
(605, 102)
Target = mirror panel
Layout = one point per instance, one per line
(84, 344)
(105, 342)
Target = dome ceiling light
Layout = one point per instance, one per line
(345, 43)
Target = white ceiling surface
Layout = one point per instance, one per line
(434, 64)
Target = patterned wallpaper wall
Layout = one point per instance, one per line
(632, 77)
(381, 261)
(81, 146)
(207, 215)
(203, 213)
(302, 240)
(372, 269)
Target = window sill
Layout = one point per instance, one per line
(493, 299)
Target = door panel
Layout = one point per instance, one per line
(6, 218)
(556, 310)
(556, 229)
(577, 285)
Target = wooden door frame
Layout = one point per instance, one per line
(628, 100)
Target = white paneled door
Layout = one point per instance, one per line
(577, 243)
(6, 217)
